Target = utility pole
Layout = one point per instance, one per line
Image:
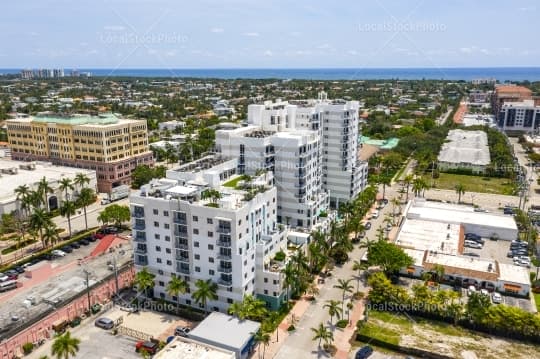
(87, 273)
(115, 274)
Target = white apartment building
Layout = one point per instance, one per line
(312, 148)
(519, 116)
(230, 239)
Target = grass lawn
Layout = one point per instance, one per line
(537, 300)
(472, 183)
(379, 332)
(232, 183)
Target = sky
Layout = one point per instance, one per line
(268, 34)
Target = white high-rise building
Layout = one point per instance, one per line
(520, 116)
(311, 146)
(229, 238)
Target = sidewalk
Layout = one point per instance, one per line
(342, 337)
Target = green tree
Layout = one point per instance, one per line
(346, 287)
(144, 280)
(65, 346)
(388, 256)
(44, 189)
(39, 219)
(175, 287)
(66, 185)
(115, 213)
(358, 266)
(67, 210)
(262, 337)
(23, 194)
(50, 235)
(206, 290)
(143, 174)
(408, 180)
(86, 198)
(334, 309)
(321, 333)
(212, 194)
(81, 180)
(460, 190)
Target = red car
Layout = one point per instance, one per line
(99, 235)
(151, 346)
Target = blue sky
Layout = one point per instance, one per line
(244, 33)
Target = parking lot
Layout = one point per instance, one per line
(97, 343)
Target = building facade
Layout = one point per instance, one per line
(229, 239)
(111, 146)
(519, 116)
(508, 93)
(311, 146)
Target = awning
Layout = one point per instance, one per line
(512, 286)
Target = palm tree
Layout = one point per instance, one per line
(43, 190)
(65, 346)
(408, 180)
(359, 266)
(460, 190)
(333, 309)
(385, 181)
(144, 280)
(206, 290)
(237, 309)
(346, 287)
(67, 210)
(419, 185)
(65, 185)
(23, 193)
(50, 235)
(81, 179)
(262, 337)
(175, 287)
(212, 194)
(289, 279)
(39, 219)
(86, 198)
(321, 333)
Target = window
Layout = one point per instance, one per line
(160, 272)
(211, 247)
(165, 213)
(195, 231)
(211, 272)
(158, 260)
(211, 259)
(266, 280)
(275, 281)
(169, 263)
(156, 235)
(196, 244)
(167, 238)
(209, 221)
(210, 234)
(229, 300)
(197, 256)
(158, 249)
(265, 291)
(195, 219)
(166, 225)
(155, 211)
(197, 269)
(161, 284)
(167, 250)
(156, 224)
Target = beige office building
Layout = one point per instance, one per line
(105, 143)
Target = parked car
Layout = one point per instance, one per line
(472, 244)
(19, 269)
(363, 352)
(510, 254)
(477, 240)
(182, 331)
(91, 238)
(84, 242)
(104, 323)
(471, 235)
(484, 292)
(75, 245)
(58, 253)
(471, 290)
(496, 298)
(129, 308)
(367, 225)
(67, 249)
(470, 254)
(151, 346)
(99, 235)
(12, 274)
(509, 211)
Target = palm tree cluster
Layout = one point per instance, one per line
(322, 333)
(35, 213)
(250, 308)
(65, 346)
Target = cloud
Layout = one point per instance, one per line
(170, 53)
(251, 34)
(324, 46)
(217, 30)
(268, 53)
(467, 50)
(352, 52)
(114, 28)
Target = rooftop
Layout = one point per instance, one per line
(223, 329)
(428, 235)
(76, 120)
(189, 349)
(465, 147)
(514, 273)
(8, 182)
(457, 214)
(202, 164)
(471, 267)
(502, 90)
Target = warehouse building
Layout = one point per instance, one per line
(467, 150)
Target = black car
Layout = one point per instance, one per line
(19, 269)
(367, 225)
(84, 242)
(91, 238)
(66, 249)
(470, 254)
(75, 245)
(363, 352)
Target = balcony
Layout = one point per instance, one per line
(180, 220)
(141, 260)
(222, 243)
(224, 256)
(225, 282)
(182, 270)
(181, 245)
(140, 237)
(138, 213)
(140, 250)
(182, 259)
(224, 269)
(224, 230)
(139, 226)
(180, 233)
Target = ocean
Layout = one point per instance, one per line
(502, 74)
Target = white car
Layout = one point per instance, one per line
(496, 298)
(58, 253)
(471, 290)
(484, 292)
(472, 244)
